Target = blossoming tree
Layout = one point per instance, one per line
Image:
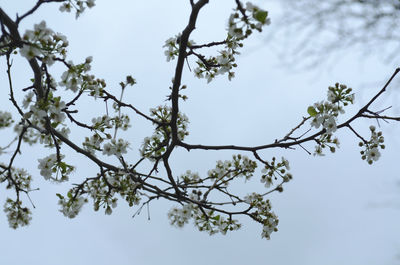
(45, 115)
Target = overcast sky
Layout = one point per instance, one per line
(337, 210)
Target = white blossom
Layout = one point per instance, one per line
(72, 207)
(29, 51)
(46, 166)
(285, 163)
(5, 119)
(115, 147)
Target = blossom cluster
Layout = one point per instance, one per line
(103, 190)
(325, 113)
(52, 164)
(205, 220)
(181, 216)
(263, 213)
(127, 188)
(340, 93)
(75, 79)
(225, 172)
(21, 178)
(71, 206)
(371, 152)
(154, 146)
(273, 170)
(172, 48)
(16, 214)
(190, 177)
(240, 25)
(78, 5)
(214, 223)
(115, 147)
(5, 119)
(41, 113)
(209, 68)
(93, 143)
(326, 141)
(121, 122)
(42, 42)
(172, 44)
(100, 125)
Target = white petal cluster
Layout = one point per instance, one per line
(29, 51)
(275, 170)
(72, 79)
(172, 45)
(264, 213)
(104, 189)
(70, 208)
(128, 189)
(5, 119)
(76, 78)
(122, 122)
(266, 179)
(55, 112)
(42, 41)
(21, 177)
(102, 122)
(327, 116)
(50, 165)
(325, 113)
(78, 5)
(115, 147)
(285, 163)
(190, 177)
(53, 109)
(371, 153)
(222, 64)
(237, 167)
(16, 214)
(270, 225)
(211, 222)
(172, 48)
(240, 28)
(154, 146)
(47, 166)
(92, 143)
(180, 216)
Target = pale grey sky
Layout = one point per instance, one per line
(337, 210)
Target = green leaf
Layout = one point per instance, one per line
(311, 110)
(261, 16)
(63, 166)
(217, 217)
